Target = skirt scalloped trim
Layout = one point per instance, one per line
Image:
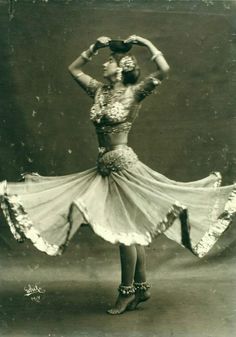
(131, 238)
(22, 227)
(218, 227)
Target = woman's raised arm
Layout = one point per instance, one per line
(147, 86)
(88, 83)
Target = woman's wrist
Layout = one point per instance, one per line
(87, 54)
(93, 49)
(153, 49)
(155, 56)
(148, 44)
(155, 53)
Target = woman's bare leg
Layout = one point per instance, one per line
(140, 268)
(128, 259)
(142, 294)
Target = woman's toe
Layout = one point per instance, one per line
(114, 311)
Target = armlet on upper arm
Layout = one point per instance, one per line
(93, 87)
(89, 84)
(146, 87)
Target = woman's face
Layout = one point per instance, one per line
(110, 68)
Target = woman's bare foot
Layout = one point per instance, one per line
(140, 296)
(121, 304)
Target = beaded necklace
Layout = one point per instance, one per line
(108, 94)
(105, 106)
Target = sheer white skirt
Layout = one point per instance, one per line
(129, 206)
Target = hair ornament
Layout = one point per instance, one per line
(119, 73)
(127, 63)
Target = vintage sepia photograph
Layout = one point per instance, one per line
(117, 168)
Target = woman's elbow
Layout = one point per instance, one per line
(165, 71)
(70, 68)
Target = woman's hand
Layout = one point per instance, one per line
(135, 39)
(101, 42)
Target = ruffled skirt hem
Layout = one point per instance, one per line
(80, 211)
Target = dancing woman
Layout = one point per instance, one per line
(124, 97)
(132, 203)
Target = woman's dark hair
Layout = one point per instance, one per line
(129, 77)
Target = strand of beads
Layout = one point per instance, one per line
(108, 106)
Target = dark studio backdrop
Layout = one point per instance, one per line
(184, 131)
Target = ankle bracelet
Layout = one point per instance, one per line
(141, 286)
(126, 290)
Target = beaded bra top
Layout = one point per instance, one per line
(113, 113)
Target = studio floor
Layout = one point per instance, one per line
(191, 297)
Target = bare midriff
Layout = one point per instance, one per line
(111, 141)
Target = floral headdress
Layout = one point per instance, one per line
(127, 63)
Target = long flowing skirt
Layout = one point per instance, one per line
(130, 205)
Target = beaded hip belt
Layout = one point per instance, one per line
(116, 128)
(123, 157)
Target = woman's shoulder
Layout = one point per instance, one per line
(145, 87)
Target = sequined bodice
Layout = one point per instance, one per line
(111, 108)
(113, 113)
